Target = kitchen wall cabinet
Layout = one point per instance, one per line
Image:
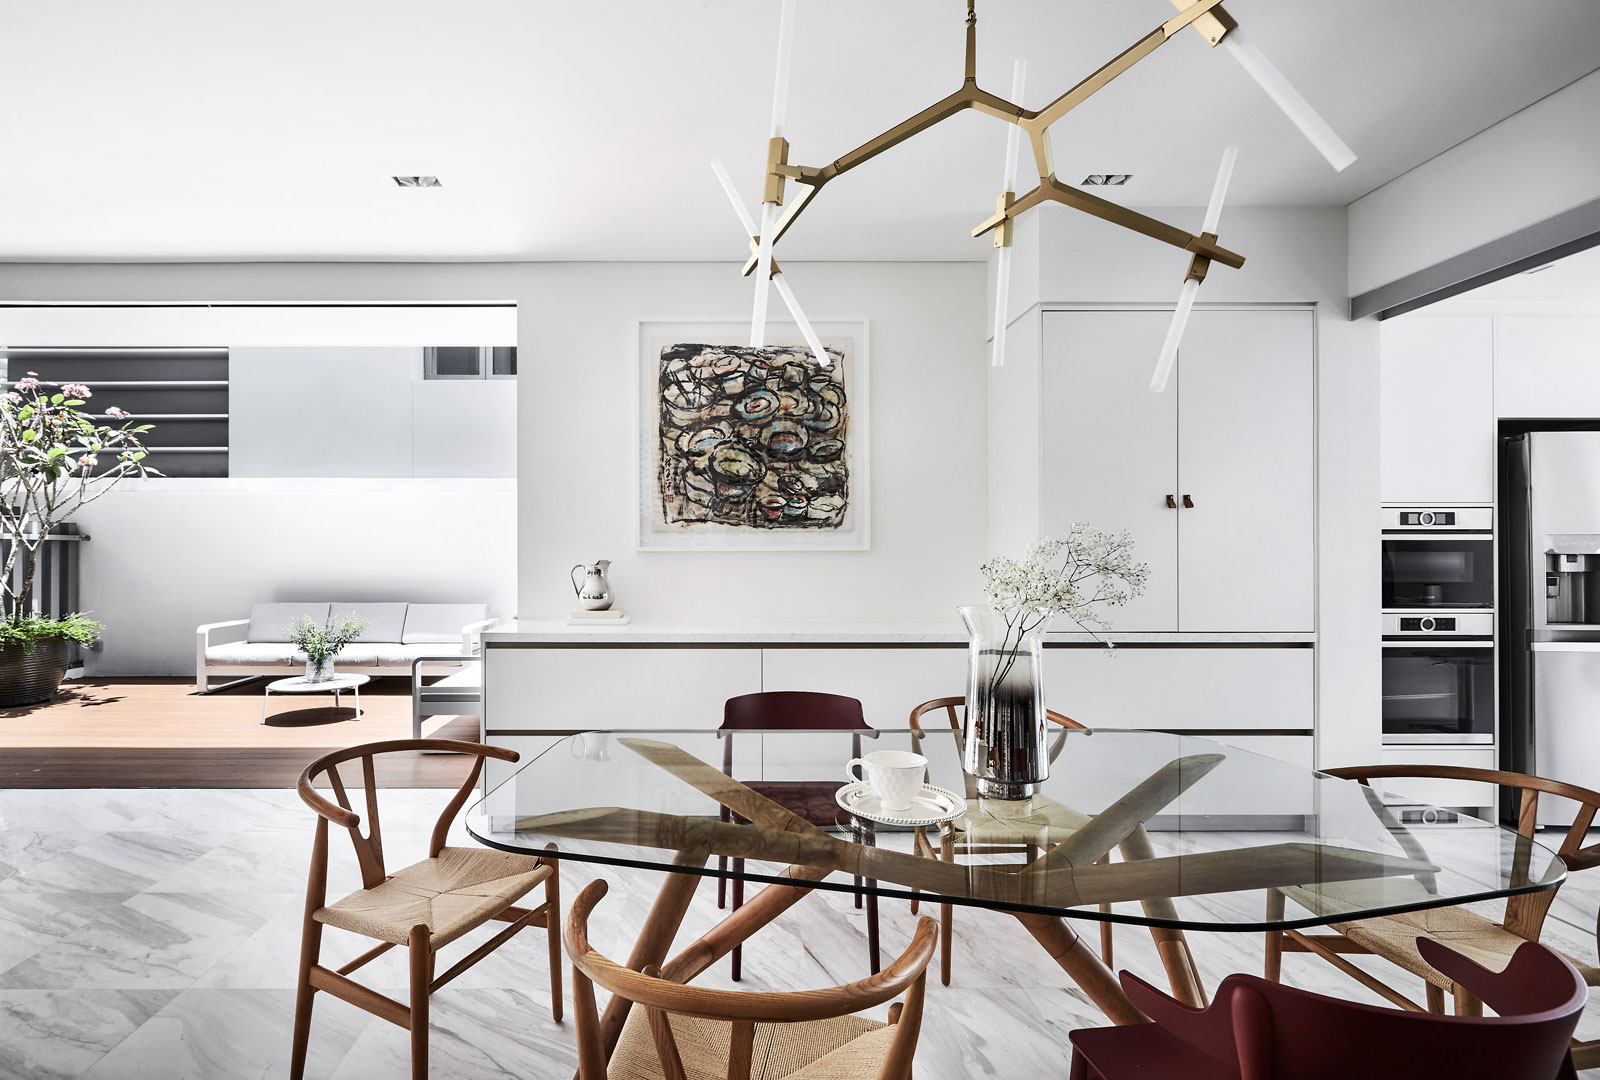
(1235, 689)
(1438, 410)
(1215, 478)
(1545, 365)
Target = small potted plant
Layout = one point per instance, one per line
(322, 643)
(1077, 578)
(55, 459)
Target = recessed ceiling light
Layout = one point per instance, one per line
(1112, 179)
(418, 181)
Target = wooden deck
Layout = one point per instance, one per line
(160, 733)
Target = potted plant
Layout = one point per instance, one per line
(322, 643)
(1078, 578)
(55, 459)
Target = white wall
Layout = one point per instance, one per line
(168, 555)
(576, 475)
(1532, 165)
(1292, 255)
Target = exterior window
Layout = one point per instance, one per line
(469, 362)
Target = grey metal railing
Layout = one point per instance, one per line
(57, 583)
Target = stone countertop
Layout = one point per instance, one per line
(885, 632)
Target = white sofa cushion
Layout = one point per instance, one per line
(403, 655)
(251, 652)
(440, 622)
(386, 622)
(270, 622)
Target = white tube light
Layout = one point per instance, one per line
(780, 81)
(1191, 286)
(769, 210)
(733, 196)
(806, 331)
(1002, 300)
(758, 312)
(1002, 275)
(1169, 347)
(1289, 100)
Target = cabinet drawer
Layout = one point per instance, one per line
(888, 681)
(575, 689)
(1448, 793)
(1183, 688)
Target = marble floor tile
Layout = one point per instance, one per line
(55, 1034)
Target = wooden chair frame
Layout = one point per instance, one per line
(369, 857)
(661, 996)
(1525, 912)
(949, 847)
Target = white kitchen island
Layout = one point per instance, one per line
(541, 679)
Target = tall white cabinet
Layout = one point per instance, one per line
(1215, 478)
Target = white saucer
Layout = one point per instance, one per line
(930, 806)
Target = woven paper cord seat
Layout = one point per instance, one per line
(451, 895)
(840, 1048)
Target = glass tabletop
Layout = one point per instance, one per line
(1131, 826)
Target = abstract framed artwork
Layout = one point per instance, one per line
(752, 449)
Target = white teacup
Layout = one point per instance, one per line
(895, 776)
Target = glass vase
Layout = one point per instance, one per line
(319, 670)
(1004, 742)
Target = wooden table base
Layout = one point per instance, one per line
(672, 902)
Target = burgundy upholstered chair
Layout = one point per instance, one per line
(1259, 1030)
(795, 710)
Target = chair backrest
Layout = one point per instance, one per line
(951, 704)
(777, 710)
(1282, 1032)
(1524, 912)
(369, 848)
(663, 998)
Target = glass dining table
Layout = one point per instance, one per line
(1171, 832)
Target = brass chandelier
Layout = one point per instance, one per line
(1207, 17)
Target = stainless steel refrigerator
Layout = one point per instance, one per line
(1550, 565)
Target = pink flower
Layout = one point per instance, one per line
(13, 397)
(75, 390)
(88, 461)
(116, 413)
(29, 383)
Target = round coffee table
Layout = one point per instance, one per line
(301, 685)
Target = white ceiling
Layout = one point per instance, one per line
(192, 129)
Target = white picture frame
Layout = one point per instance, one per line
(654, 533)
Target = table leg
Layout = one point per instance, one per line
(655, 938)
(758, 911)
(266, 694)
(1182, 975)
(358, 702)
(1085, 968)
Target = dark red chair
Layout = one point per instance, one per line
(1258, 1030)
(795, 710)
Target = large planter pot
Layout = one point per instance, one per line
(31, 677)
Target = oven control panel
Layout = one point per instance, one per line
(1424, 518)
(1478, 624)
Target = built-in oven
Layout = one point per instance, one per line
(1438, 560)
(1438, 678)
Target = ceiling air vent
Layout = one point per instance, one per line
(418, 181)
(1109, 179)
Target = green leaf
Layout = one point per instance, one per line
(71, 401)
(30, 435)
(55, 452)
(57, 399)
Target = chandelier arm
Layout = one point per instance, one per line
(781, 226)
(1120, 63)
(1106, 210)
(1213, 25)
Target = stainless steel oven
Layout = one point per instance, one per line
(1438, 678)
(1438, 560)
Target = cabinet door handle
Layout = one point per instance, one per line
(1188, 503)
(1172, 504)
